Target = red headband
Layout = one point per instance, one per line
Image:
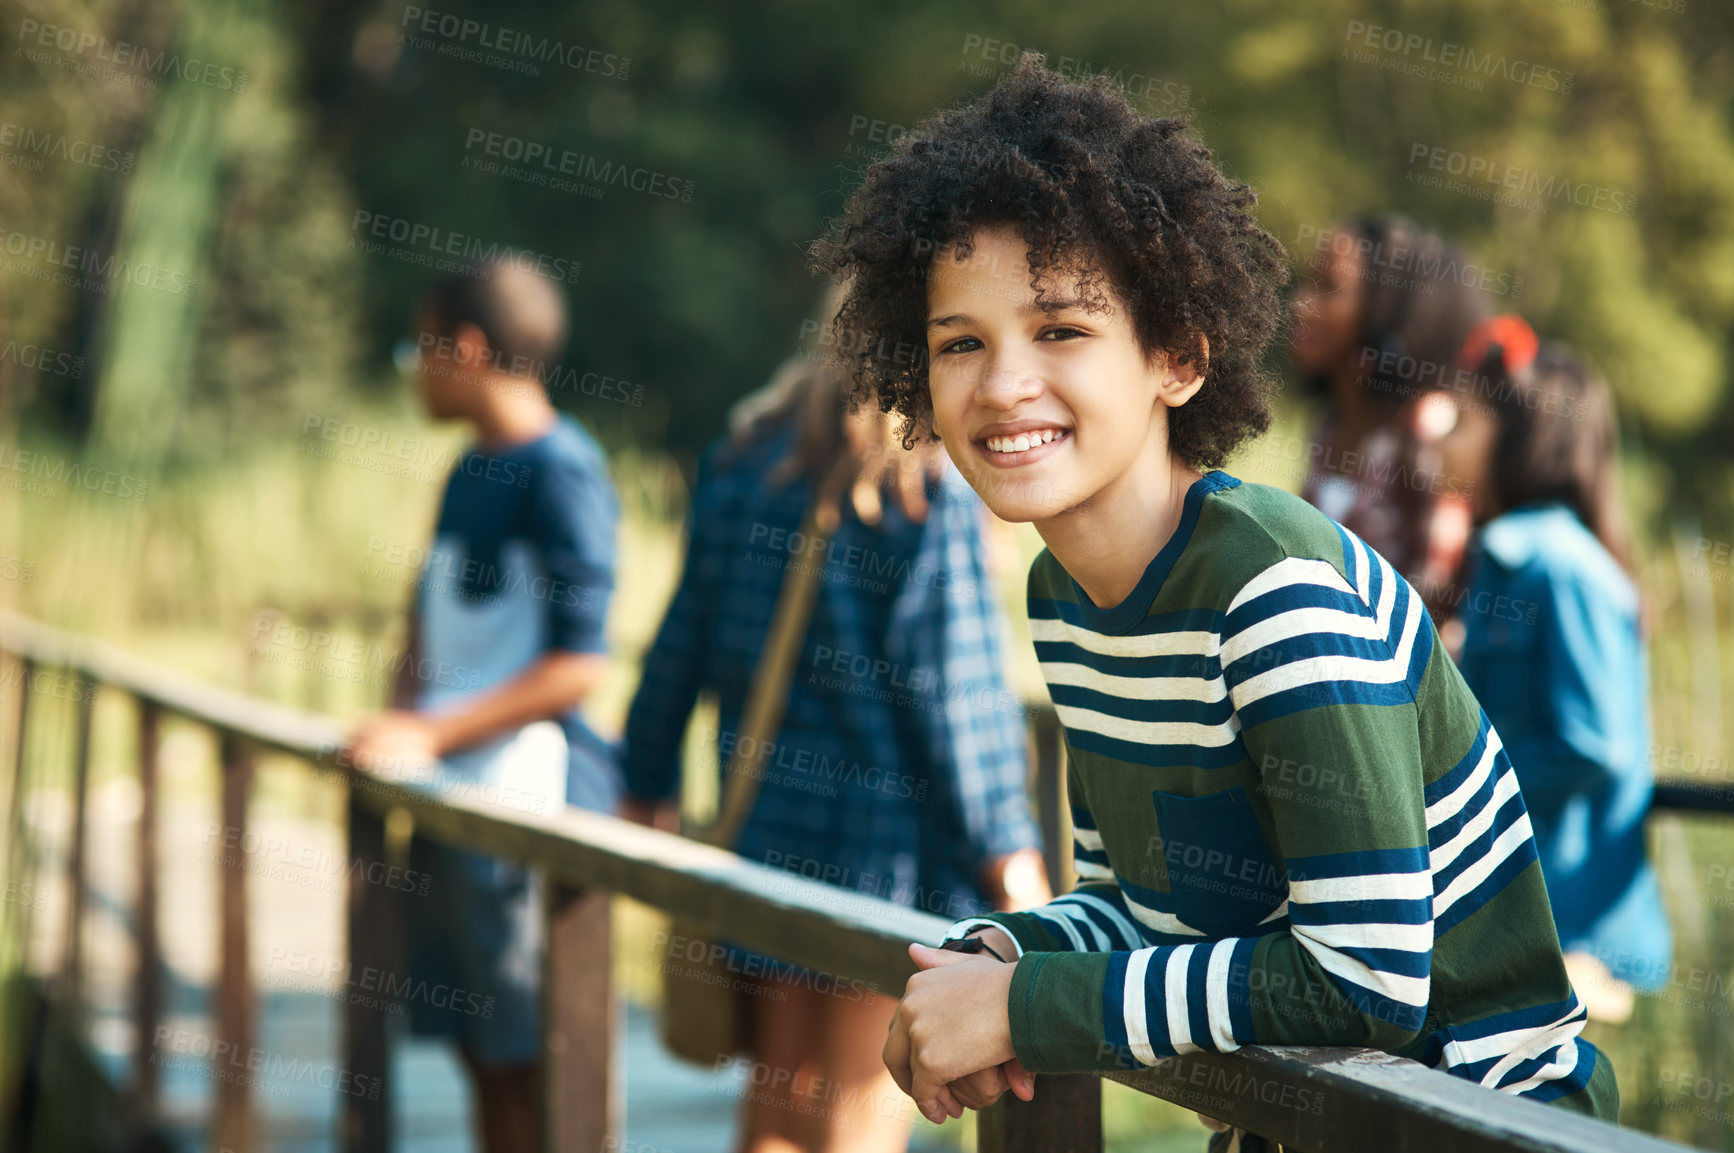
(1517, 343)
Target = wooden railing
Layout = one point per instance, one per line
(1307, 1098)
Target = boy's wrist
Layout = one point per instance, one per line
(1000, 942)
(994, 935)
(973, 945)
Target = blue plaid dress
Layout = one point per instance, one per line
(901, 762)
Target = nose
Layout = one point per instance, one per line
(1006, 383)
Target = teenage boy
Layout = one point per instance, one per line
(1294, 822)
(510, 611)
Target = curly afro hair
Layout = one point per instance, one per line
(1094, 189)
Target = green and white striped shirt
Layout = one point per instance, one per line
(1294, 824)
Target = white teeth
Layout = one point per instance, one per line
(1023, 442)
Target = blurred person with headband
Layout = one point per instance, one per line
(1553, 645)
(1383, 307)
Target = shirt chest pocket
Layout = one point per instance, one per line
(1222, 877)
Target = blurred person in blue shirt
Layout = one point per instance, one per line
(507, 639)
(1553, 646)
(899, 769)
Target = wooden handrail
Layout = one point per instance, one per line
(263, 723)
(1308, 1098)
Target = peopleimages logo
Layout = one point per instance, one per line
(44, 360)
(39, 467)
(1410, 268)
(87, 269)
(545, 165)
(427, 244)
(441, 356)
(136, 58)
(1411, 52)
(222, 1060)
(34, 146)
(459, 31)
(981, 54)
(1484, 178)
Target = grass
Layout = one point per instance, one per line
(200, 572)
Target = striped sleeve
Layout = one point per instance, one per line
(1322, 671)
(1091, 918)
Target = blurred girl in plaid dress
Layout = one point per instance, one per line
(900, 765)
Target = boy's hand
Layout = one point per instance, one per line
(394, 741)
(979, 1090)
(952, 1023)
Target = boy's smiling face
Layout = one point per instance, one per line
(1043, 409)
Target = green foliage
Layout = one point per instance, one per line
(768, 117)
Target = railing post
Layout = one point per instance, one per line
(364, 1126)
(315, 687)
(1064, 1117)
(232, 1127)
(18, 1094)
(72, 954)
(15, 862)
(578, 1083)
(147, 991)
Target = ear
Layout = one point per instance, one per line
(1181, 378)
(470, 345)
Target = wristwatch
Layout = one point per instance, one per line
(971, 945)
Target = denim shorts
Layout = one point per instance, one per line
(473, 954)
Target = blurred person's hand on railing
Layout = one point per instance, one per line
(408, 738)
(398, 739)
(886, 465)
(1016, 881)
(664, 815)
